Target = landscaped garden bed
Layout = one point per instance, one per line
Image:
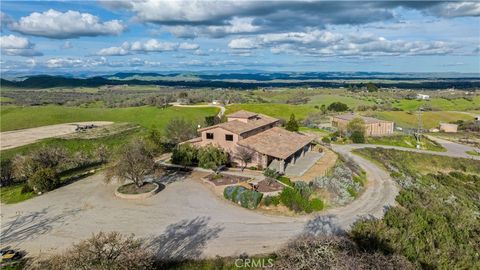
(221, 179)
(132, 191)
(267, 186)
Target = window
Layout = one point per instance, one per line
(228, 137)
(209, 136)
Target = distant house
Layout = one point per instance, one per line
(423, 97)
(449, 128)
(216, 102)
(271, 145)
(373, 126)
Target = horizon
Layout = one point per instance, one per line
(102, 37)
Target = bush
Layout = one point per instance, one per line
(211, 157)
(104, 251)
(292, 199)
(45, 179)
(326, 140)
(285, 180)
(304, 189)
(6, 172)
(357, 137)
(232, 193)
(316, 204)
(337, 107)
(271, 173)
(185, 155)
(269, 200)
(250, 199)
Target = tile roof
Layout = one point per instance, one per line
(276, 142)
(239, 127)
(368, 120)
(242, 114)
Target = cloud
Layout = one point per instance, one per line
(5, 20)
(71, 62)
(64, 25)
(66, 45)
(13, 45)
(190, 19)
(151, 45)
(326, 43)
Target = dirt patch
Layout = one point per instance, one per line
(133, 189)
(16, 138)
(320, 168)
(269, 186)
(225, 179)
(102, 131)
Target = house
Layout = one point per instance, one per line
(373, 126)
(183, 101)
(449, 128)
(270, 145)
(423, 97)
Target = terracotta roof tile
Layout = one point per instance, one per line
(242, 114)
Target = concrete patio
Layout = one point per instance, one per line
(302, 164)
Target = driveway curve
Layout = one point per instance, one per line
(183, 220)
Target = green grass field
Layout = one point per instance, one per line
(405, 141)
(459, 104)
(328, 99)
(13, 194)
(14, 117)
(275, 110)
(429, 119)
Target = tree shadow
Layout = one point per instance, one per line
(31, 225)
(323, 225)
(170, 175)
(184, 240)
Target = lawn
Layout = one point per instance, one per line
(408, 141)
(276, 110)
(14, 117)
(430, 119)
(328, 99)
(458, 104)
(13, 194)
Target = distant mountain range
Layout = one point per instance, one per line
(248, 80)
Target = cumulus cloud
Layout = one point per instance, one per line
(64, 25)
(190, 19)
(13, 45)
(71, 62)
(326, 43)
(151, 45)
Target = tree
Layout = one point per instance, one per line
(134, 163)
(156, 140)
(211, 157)
(337, 107)
(180, 130)
(6, 172)
(323, 108)
(104, 251)
(185, 155)
(356, 130)
(371, 87)
(47, 157)
(245, 155)
(292, 124)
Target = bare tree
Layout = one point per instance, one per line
(245, 155)
(180, 130)
(134, 163)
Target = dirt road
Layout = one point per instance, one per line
(16, 138)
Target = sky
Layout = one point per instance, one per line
(155, 35)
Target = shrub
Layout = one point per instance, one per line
(304, 189)
(357, 137)
(232, 193)
(185, 155)
(292, 124)
(339, 184)
(104, 251)
(292, 199)
(211, 157)
(326, 140)
(250, 199)
(316, 204)
(269, 200)
(337, 107)
(271, 173)
(6, 172)
(285, 180)
(44, 180)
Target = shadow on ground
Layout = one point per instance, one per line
(184, 240)
(31, 225)
(323, 225)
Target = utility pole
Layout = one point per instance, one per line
(418, 134)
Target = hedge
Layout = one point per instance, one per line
(247, 198)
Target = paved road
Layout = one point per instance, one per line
(16, 138)
(185, 219)
(220, 114)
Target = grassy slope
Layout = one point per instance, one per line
(430, 119)
(328, 99)
(459, 104)
(13, 117)
(275, 110)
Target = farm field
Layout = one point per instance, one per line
(14, 117)
(408, 141)
(430, 119)
(458, 104)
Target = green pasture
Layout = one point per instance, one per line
(458, 104)
(276, 110)
(430, 119)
